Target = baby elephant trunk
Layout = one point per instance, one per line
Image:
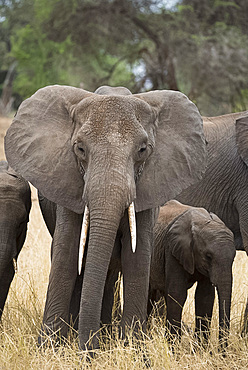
(224, 289)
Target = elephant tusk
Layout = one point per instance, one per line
(132, 223)
(83, 238)
(15, 265)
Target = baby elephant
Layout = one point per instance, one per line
(192, 245)
(15, 204)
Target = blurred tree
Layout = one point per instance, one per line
(128, 30)
(14, 14)
(197, 47)
(213, 69)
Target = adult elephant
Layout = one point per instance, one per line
(103, 155)
(223, 189)
(15, 204)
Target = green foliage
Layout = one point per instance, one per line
(218, 3)
(198, 47)
(41, 61)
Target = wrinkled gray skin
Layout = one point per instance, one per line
(223, 189)
(104, 151)
(192, 245)
(15, 203)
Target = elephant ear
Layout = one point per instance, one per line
(242, 136)
(180, 239)
(38, 144)
(215, 218)
(179, 156)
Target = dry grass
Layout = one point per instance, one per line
(23, 314)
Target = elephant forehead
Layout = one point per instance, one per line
(113, 118)
(212, 229)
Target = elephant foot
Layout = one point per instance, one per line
(51, 338)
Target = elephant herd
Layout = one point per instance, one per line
(134, 184)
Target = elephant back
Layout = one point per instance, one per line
(221, 178)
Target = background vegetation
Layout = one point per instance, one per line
(197, 47)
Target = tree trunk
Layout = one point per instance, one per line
(6, 100)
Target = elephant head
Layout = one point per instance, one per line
(103, 153)
(201, 242)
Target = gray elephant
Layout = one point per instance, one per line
(223, 189)
(104, 159)
(15, 204)
(192, 245)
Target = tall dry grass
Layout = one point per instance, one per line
(22, 318)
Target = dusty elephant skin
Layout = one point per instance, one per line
(15, 204)
(102, 152)
(191, 244)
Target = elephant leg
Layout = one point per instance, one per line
(136, 270)
(204, 301)
(109, 300)
(63, 272)
(110, 290)
(109, 297)
(176, 285)
(243, 222)
(6, 279)
(75, 302)
(151, 301)
(174, 304)
(154, 297)
(245, 320)
(7, 268)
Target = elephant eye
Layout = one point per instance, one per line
(143, 148)
(80, 150)
(209, 256)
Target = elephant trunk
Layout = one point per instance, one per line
(224, 290)
(106, 208)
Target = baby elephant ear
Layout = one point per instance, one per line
(180, 239)
(215, 218)
(179, 156)
(242, 136)
(38, 144)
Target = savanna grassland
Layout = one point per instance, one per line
(23, 314)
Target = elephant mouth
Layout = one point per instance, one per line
(85, 227)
